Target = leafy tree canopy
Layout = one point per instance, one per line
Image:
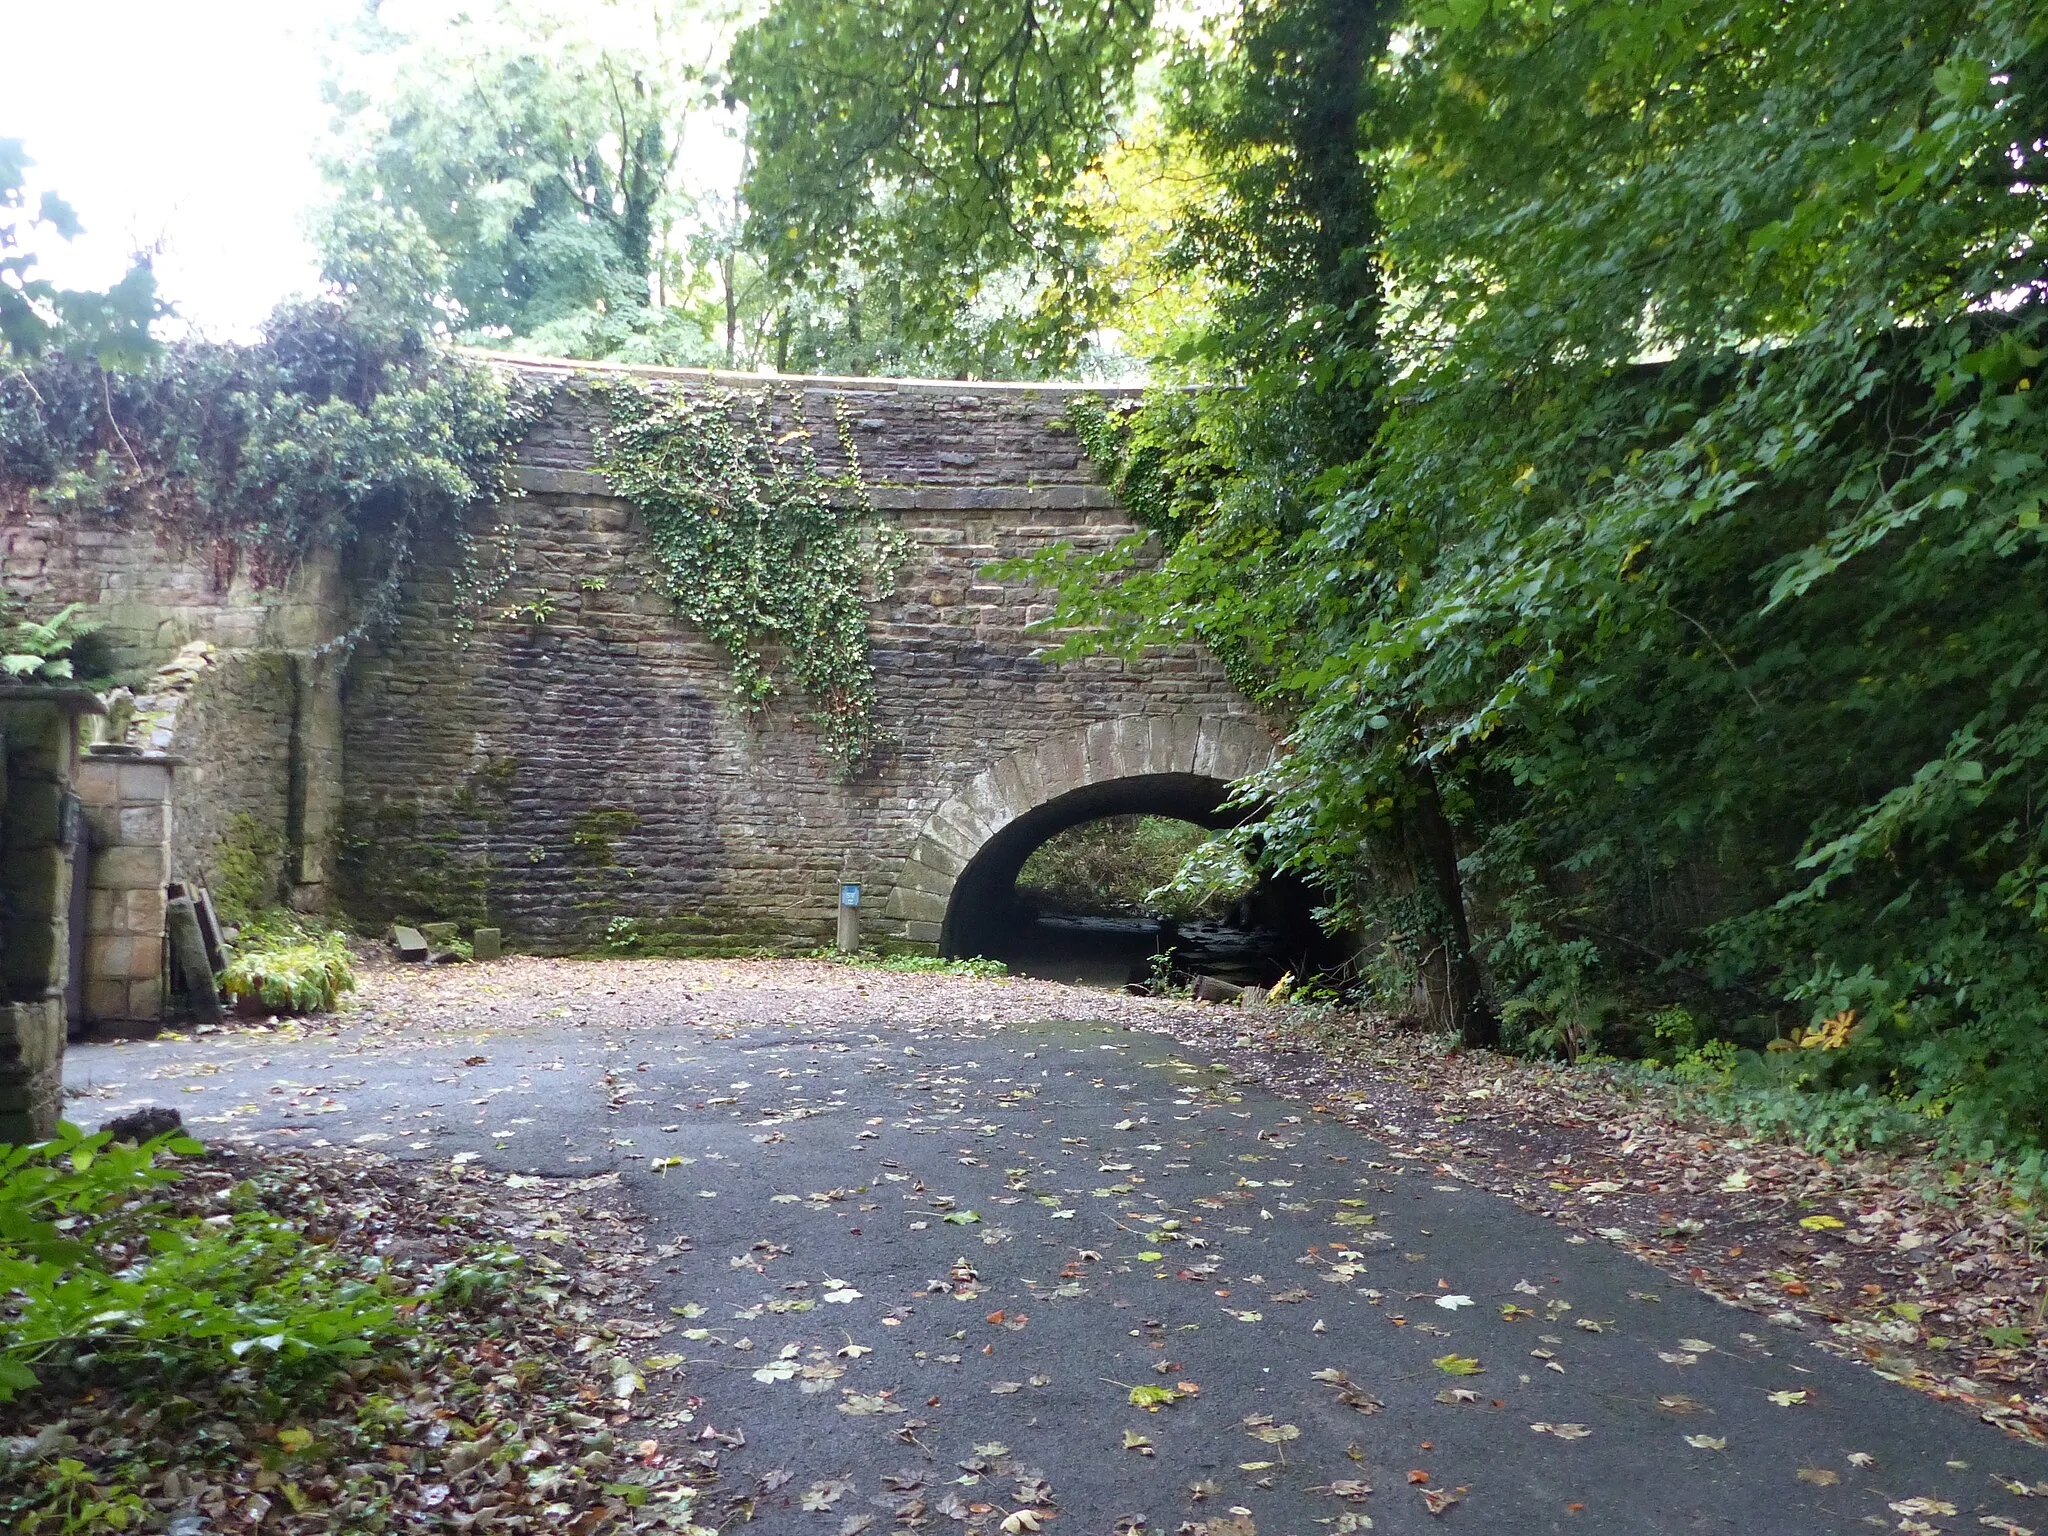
(941, 144)
(1675, 520)
(535, 170)
(35, 313)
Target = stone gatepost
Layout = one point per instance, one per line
(127, 802)
(40, 827)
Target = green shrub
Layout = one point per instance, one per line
(1111, 866)
(295, 972)
(1211, 875)
(97, 1274)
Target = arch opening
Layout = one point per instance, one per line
(1263, 933)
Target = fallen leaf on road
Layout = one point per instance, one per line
(1452, 1303)
(1133, 1441)
(1706, 1442)
(1921, 1507)
(1820, 1477)
(1787, 1399)
(1005, 1388)
(1274, 1434)
(1562, 1431)
(826, 1492)
(860, 1404)
(1457, 1365)
(1440, 1500)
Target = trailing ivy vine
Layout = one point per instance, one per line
(335, 430)
(758, 547)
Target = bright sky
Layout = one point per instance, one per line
(192, 123)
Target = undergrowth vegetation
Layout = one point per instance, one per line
(914, 965)
(286, 966)
(103, 1275)
(1108, 866)
(195, 1340)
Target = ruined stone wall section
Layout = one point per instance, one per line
(225, 667)
(153, 592)
(229, 723)
(588, 773)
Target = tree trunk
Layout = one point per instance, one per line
(732, 311)
(1447, 972)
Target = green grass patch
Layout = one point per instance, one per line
(915, 965)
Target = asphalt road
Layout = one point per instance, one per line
(922, 1267)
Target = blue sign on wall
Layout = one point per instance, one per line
(849, 895)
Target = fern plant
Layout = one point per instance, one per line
(305, 974)
(40, 652)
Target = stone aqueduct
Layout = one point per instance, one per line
(585, 773)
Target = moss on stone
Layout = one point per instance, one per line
(592, 832)
(399, 861)
(248, 868)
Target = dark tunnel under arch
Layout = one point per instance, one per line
(981, 895)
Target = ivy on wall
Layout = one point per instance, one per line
(758, 547)
(334, 430)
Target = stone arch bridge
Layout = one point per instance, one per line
(591, 774)
(584, 775)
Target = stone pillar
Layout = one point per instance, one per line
(314, 812)
(127, 802)
(38, 829)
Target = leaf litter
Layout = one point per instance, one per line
(521, 1401)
